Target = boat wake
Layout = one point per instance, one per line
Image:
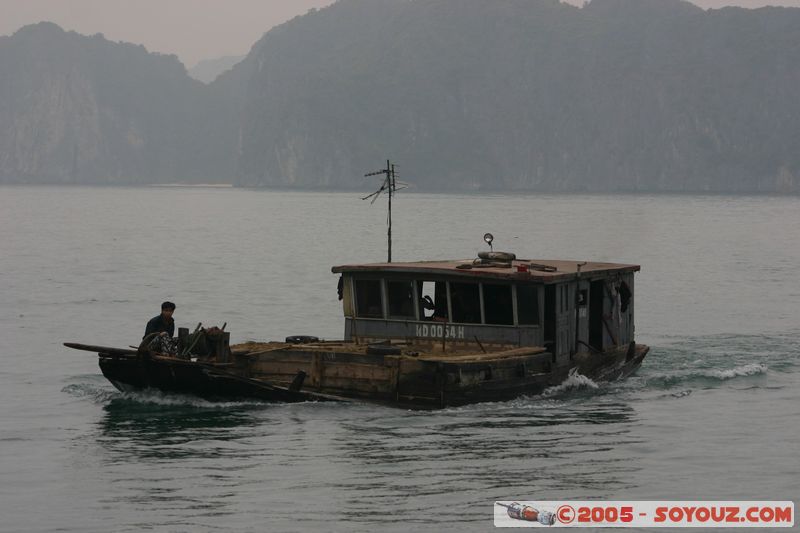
(162, 399)
(94, 393)
(670, 379)
(574, 381)
(105, 396)
(744, 370)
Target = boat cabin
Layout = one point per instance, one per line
(564, 306)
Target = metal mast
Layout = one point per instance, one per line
(390, 186)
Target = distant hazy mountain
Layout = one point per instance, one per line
(83, 109)
(620, 95)
(207, 70)
(527, 94)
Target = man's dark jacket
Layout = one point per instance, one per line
(157, 324)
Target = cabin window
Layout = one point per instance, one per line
(432, 300)
(528, 305)
(369, 301)
(497, 304)
(465, 299)
(401, 299)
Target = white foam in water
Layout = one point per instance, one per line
(96, 394)
(102, 395)
(750, 369)
(179, 400)
(573, 381)
(745, 370)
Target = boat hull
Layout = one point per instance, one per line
(137, 373)
(407, 383)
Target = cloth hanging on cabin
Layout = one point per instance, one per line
(625, 296)
(164, 345)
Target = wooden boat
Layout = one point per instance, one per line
(422, 335)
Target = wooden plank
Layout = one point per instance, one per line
(259, 353)
(100, 349)
(418, 378)
(361, 385)
(316, 373)
(281, 367)
(357, 371)
(481, 357)
(393, 363)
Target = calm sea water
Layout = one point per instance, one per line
(713, 413)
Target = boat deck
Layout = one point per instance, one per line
(467, 353)
(414, 374)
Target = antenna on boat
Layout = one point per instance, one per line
(488, 237)
(389, 186)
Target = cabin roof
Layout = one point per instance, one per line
(563, 269)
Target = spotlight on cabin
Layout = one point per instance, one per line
(488, 237)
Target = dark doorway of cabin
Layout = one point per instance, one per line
(596, 314)
(550, 319)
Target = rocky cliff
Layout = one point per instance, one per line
(620, 95)
(83, 109)
(633, 95)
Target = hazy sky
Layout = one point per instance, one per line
(192, 29)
